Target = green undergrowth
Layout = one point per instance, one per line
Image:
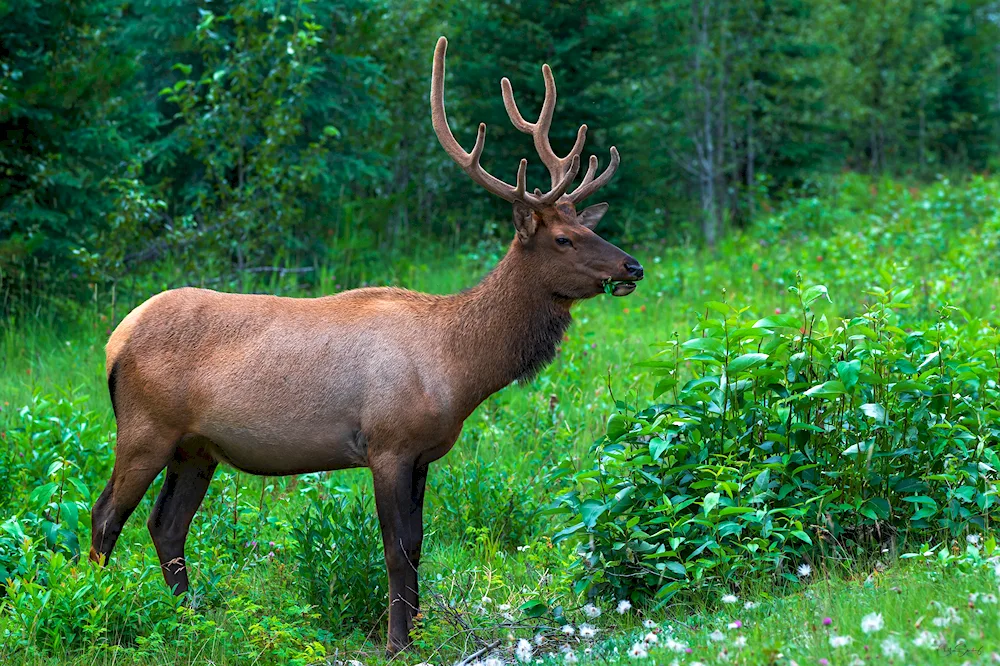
(820, 390)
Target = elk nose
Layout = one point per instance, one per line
(634, 268)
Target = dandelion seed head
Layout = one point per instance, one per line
(892, 649)
(804, 570)
(624, 606)
(524, 651)
(729, 599)
(638, 651)
(591, 611)
(872, 622)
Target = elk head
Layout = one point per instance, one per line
(570, 260)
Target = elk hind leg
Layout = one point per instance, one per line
(142, 451)
(189, 474)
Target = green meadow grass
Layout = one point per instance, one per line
(248, 606)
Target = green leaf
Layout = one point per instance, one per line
(746, 362)
(711, 501)
(712, 346)
(830, 389)
(801, 536)
(810, 295)
(677, 567)
(13, 527)
(617, 426)
(874, 410)
(848, 371)
(591, 510)
(534, 608)
(779, 321)
(42, 494)
(656, 447)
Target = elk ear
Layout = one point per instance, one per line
(524, 221)
(591, 215)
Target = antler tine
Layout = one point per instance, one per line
(521, 179)
(468, 161)
(589, 186)
(591, 170)
(560, 188)
(539, 130)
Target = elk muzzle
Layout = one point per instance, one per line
(623, 286)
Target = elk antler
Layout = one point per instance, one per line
(562, 170)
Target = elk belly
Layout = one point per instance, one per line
(282, 447)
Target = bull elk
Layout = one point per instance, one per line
(379, 377)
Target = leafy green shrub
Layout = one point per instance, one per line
(339, 552)
(794, 434)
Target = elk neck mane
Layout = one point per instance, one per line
(507, 327)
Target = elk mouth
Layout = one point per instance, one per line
(619, 287)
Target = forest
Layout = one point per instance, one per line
(227, 137)
(782, 448)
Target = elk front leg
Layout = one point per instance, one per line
(399, 498)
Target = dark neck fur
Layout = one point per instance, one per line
(507, 327)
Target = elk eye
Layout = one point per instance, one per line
(562, 240)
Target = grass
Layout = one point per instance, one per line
(248, 606)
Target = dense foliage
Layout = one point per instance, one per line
(210, 141)
(830, 427)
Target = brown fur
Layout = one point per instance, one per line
(380, 378)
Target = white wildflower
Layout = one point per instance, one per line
(523, 651)
(972, 538)
(490, 661)
(729, 599)
(486, 601)
(591, 611)
(570, 657)
(624, 606)
(989, 598)
(650, 638)
(949, 617)
(674, 645)
(649, 624)
(926, 639)
(638, 651)
(587, 631)
(740, 642)
(840, 641)
(503, 608)
(539, 639)
(804, 571)
(892, 649)
(750, 605)
(717, 636)
(872, 622)
(568, 630)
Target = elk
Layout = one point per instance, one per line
(381, 378)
